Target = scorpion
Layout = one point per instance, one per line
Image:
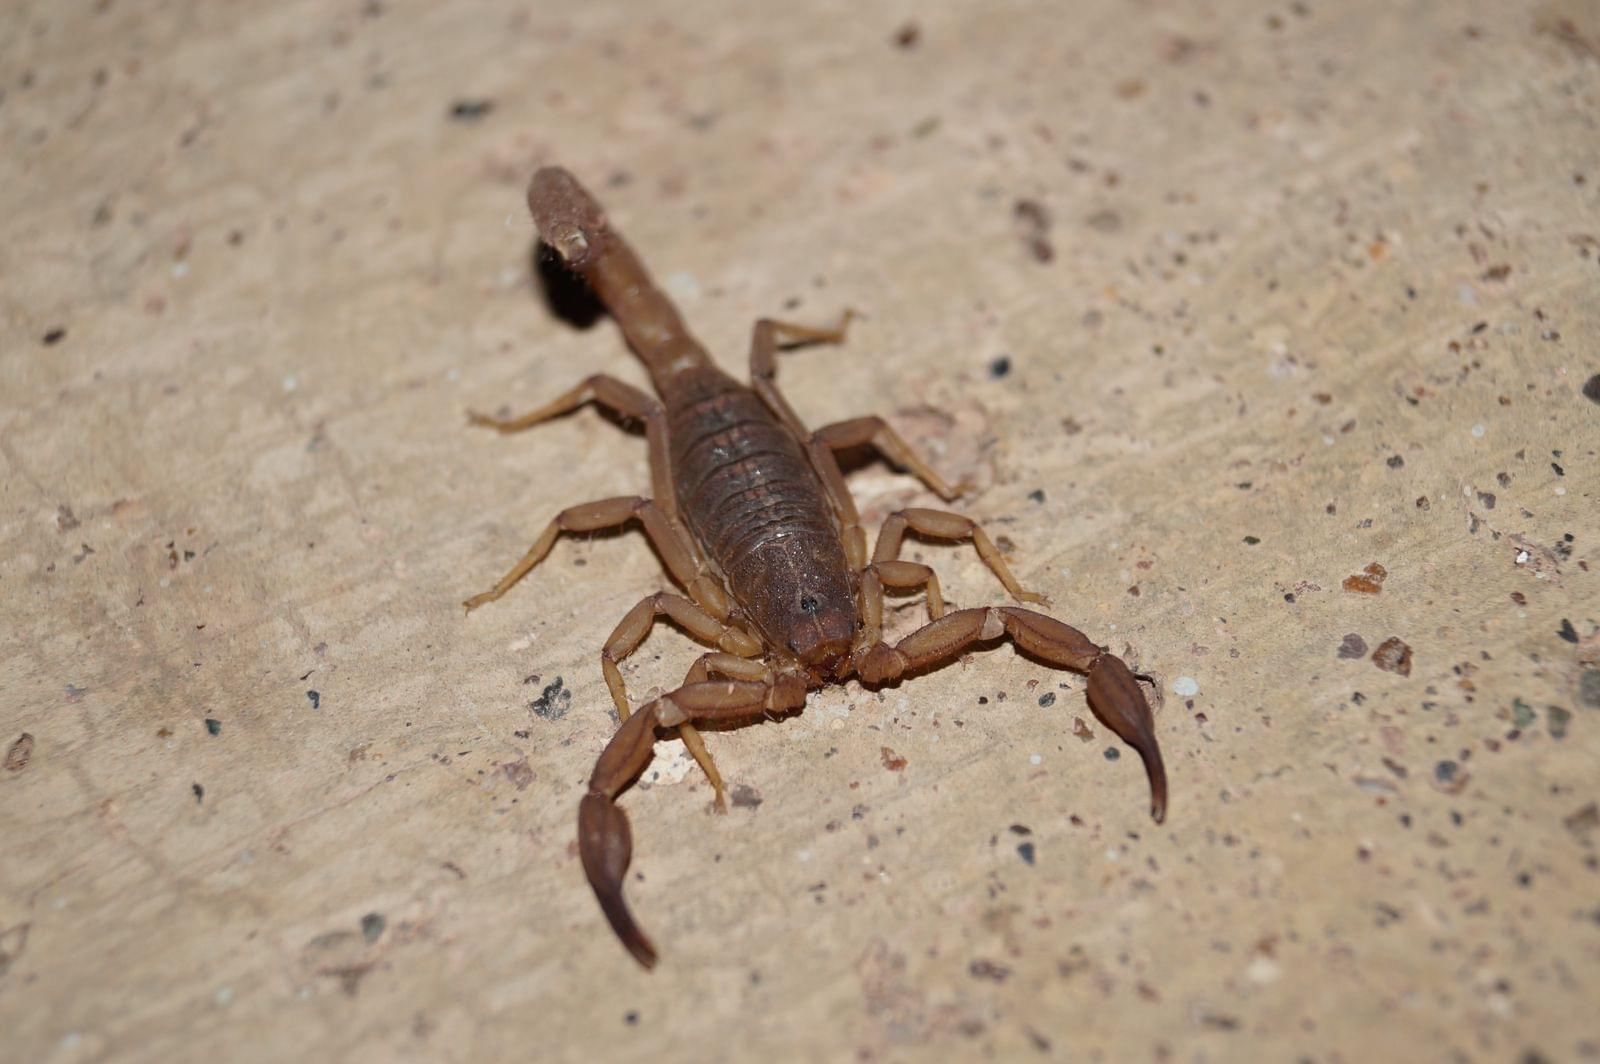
(752, 519)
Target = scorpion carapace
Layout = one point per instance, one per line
(752, 518)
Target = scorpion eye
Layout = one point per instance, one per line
(809, 604)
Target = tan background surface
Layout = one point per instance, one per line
(1320, 275)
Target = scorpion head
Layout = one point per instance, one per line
(800, 595)
(819, 630)
(806, 618)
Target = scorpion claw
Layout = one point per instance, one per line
(605, 846)
(1116, 699)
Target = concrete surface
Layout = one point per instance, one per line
(1282, 291)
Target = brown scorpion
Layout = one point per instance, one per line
(752, 518)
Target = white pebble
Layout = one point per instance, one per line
(1034, 759)
(1264, 970)
(291, 382)
(1185, 687)
(1477, 432)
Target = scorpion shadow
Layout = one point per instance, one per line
(566, 294)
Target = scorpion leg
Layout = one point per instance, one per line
(669, 540)
(902, 576)
(1114, 694)
(876, 432)
(631, 632)
(616, 396)
(941, 524)
(841, 435)
(634, 627)
(764, 346)
(729, 667)
(605, 842)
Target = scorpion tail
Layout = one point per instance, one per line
(1115, 697)
(606, 846)
(570, 221)
(568, 218)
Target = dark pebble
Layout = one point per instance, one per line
(470, 110)
(214, 726)
(1556, 719)
(553, 702)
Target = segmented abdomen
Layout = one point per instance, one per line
(742, 480)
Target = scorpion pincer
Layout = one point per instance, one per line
(753, 521)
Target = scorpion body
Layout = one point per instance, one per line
(753, 520)
(752, 499)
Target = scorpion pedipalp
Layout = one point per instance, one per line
(605, 845)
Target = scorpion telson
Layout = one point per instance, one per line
(752, 518)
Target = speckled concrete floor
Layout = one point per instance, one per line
(1262, 330)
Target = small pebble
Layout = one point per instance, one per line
(1185, 687)
(1353, 646)
(1393, 655)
